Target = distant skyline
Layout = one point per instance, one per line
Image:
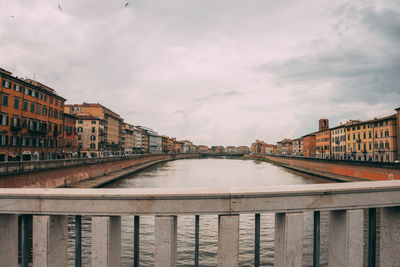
(213, 72)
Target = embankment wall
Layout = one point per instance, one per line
(363, 170)
(62, 172)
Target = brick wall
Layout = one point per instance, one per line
(367, 170)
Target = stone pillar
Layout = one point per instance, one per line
(50, 241)
(228, 240)
(106, 241)
(165, 241)
(9, 239)
(288, 240)
(346, 238)
(390, 237)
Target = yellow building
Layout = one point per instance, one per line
(359, 140)
(385, 139)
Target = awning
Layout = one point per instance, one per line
(26, 153)
(36, 153)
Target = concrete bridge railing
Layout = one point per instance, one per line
(49, 208)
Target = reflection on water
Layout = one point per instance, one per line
(208, 173)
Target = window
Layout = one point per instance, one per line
(17, 87)
(32, 107)
(364, 135)
(51, 100)
(370, 146)
(93, 129)
(61, 115)
(79, 122)
(45, 97)
(56, 102)
(3, 119)
(387, 145)
(39, 109)
(92, 145)
(93, 122)
(25, 105)
(80, 129)
(26, 91)
(24, 123)
(55, 113)
(50, 112)
(3, 140)
(5, 100)
(370, 134)
(44, 111)
(93, 137)
(6, 84)
(386, 133)
(16, 102)
(33, 93)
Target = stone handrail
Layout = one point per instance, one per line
(344, 201)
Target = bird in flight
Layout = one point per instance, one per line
(12, 16)
(127, 3)
(59, 7)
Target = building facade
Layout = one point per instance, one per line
(338, 142)
(31, 120)
(359, 140)
(385, 139)
(323, 144)
(309, 145)
(70, 137)
(90, 130)
(112, 124)
(298, 147)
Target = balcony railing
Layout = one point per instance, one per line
(345, 202)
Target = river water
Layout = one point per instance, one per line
(209, 173)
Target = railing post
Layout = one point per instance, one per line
(9, 239)
(50, 241)
(257, 240)
(196, 240)
(288, 239)
(106, 241)
(228, 240)
(390, 237)
(78, 241)
(346, 238)
(317, 238)
(165, 241)
(136, 243)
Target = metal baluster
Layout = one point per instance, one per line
(196, 240)
(371, 237)
(136, 241)
(24, 246)
(316, 242)
(78, 241)
(257, 240)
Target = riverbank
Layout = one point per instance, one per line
(334, 170)
(65, 174)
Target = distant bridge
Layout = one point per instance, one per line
(208, 154)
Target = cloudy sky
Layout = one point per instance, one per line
(212, 71)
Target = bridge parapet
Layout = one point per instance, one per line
(345, 202)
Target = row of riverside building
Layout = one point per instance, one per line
(36, 124)
(375, 140)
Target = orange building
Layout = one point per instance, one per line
(309, 145)
(323, 144)
(70, 137)
(31, 120)
(258, 147)
(398, 133)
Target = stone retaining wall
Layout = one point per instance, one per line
(365, 170)
(59, 172)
